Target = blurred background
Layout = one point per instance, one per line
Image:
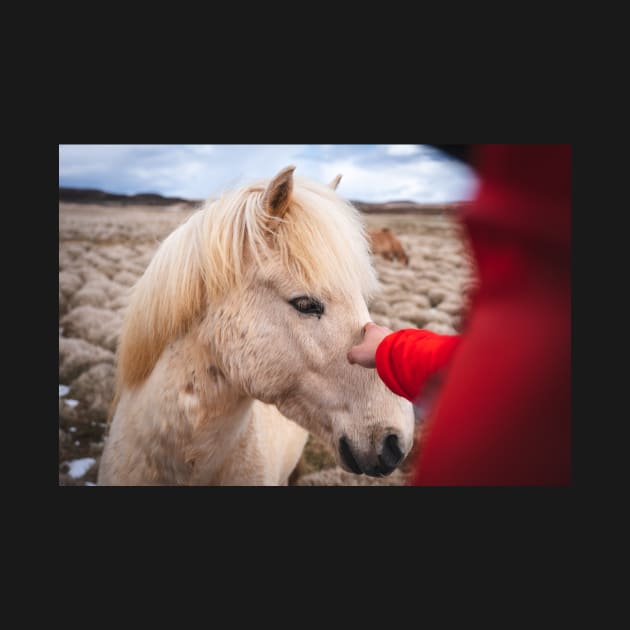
(118, 202)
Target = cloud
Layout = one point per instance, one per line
(402, 149)
(370, 172)
(422, 180)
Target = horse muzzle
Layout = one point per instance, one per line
(378, 462)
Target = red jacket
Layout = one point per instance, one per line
(406, 359)
(503, 414)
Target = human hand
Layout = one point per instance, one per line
(364, 353)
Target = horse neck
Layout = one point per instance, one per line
(201, 382)
(189, 414)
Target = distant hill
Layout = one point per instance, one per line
(409, 207)
(94, 196)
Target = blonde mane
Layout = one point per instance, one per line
(321, 242)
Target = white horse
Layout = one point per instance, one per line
(234, 347)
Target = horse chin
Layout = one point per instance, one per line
(309, 417)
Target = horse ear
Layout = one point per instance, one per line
(335, 182)
(278, 193)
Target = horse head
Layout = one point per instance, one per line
(296, 258)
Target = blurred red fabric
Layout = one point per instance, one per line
(503, 414)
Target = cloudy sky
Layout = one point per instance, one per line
(371, 172)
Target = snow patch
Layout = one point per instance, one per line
(78, 467)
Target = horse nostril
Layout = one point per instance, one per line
(348, 458)
(391, 454)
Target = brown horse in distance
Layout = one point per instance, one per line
(385, 243)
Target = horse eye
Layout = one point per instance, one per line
(307, 305)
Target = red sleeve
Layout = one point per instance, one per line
(407, 358)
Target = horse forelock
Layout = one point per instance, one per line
(320, 243)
